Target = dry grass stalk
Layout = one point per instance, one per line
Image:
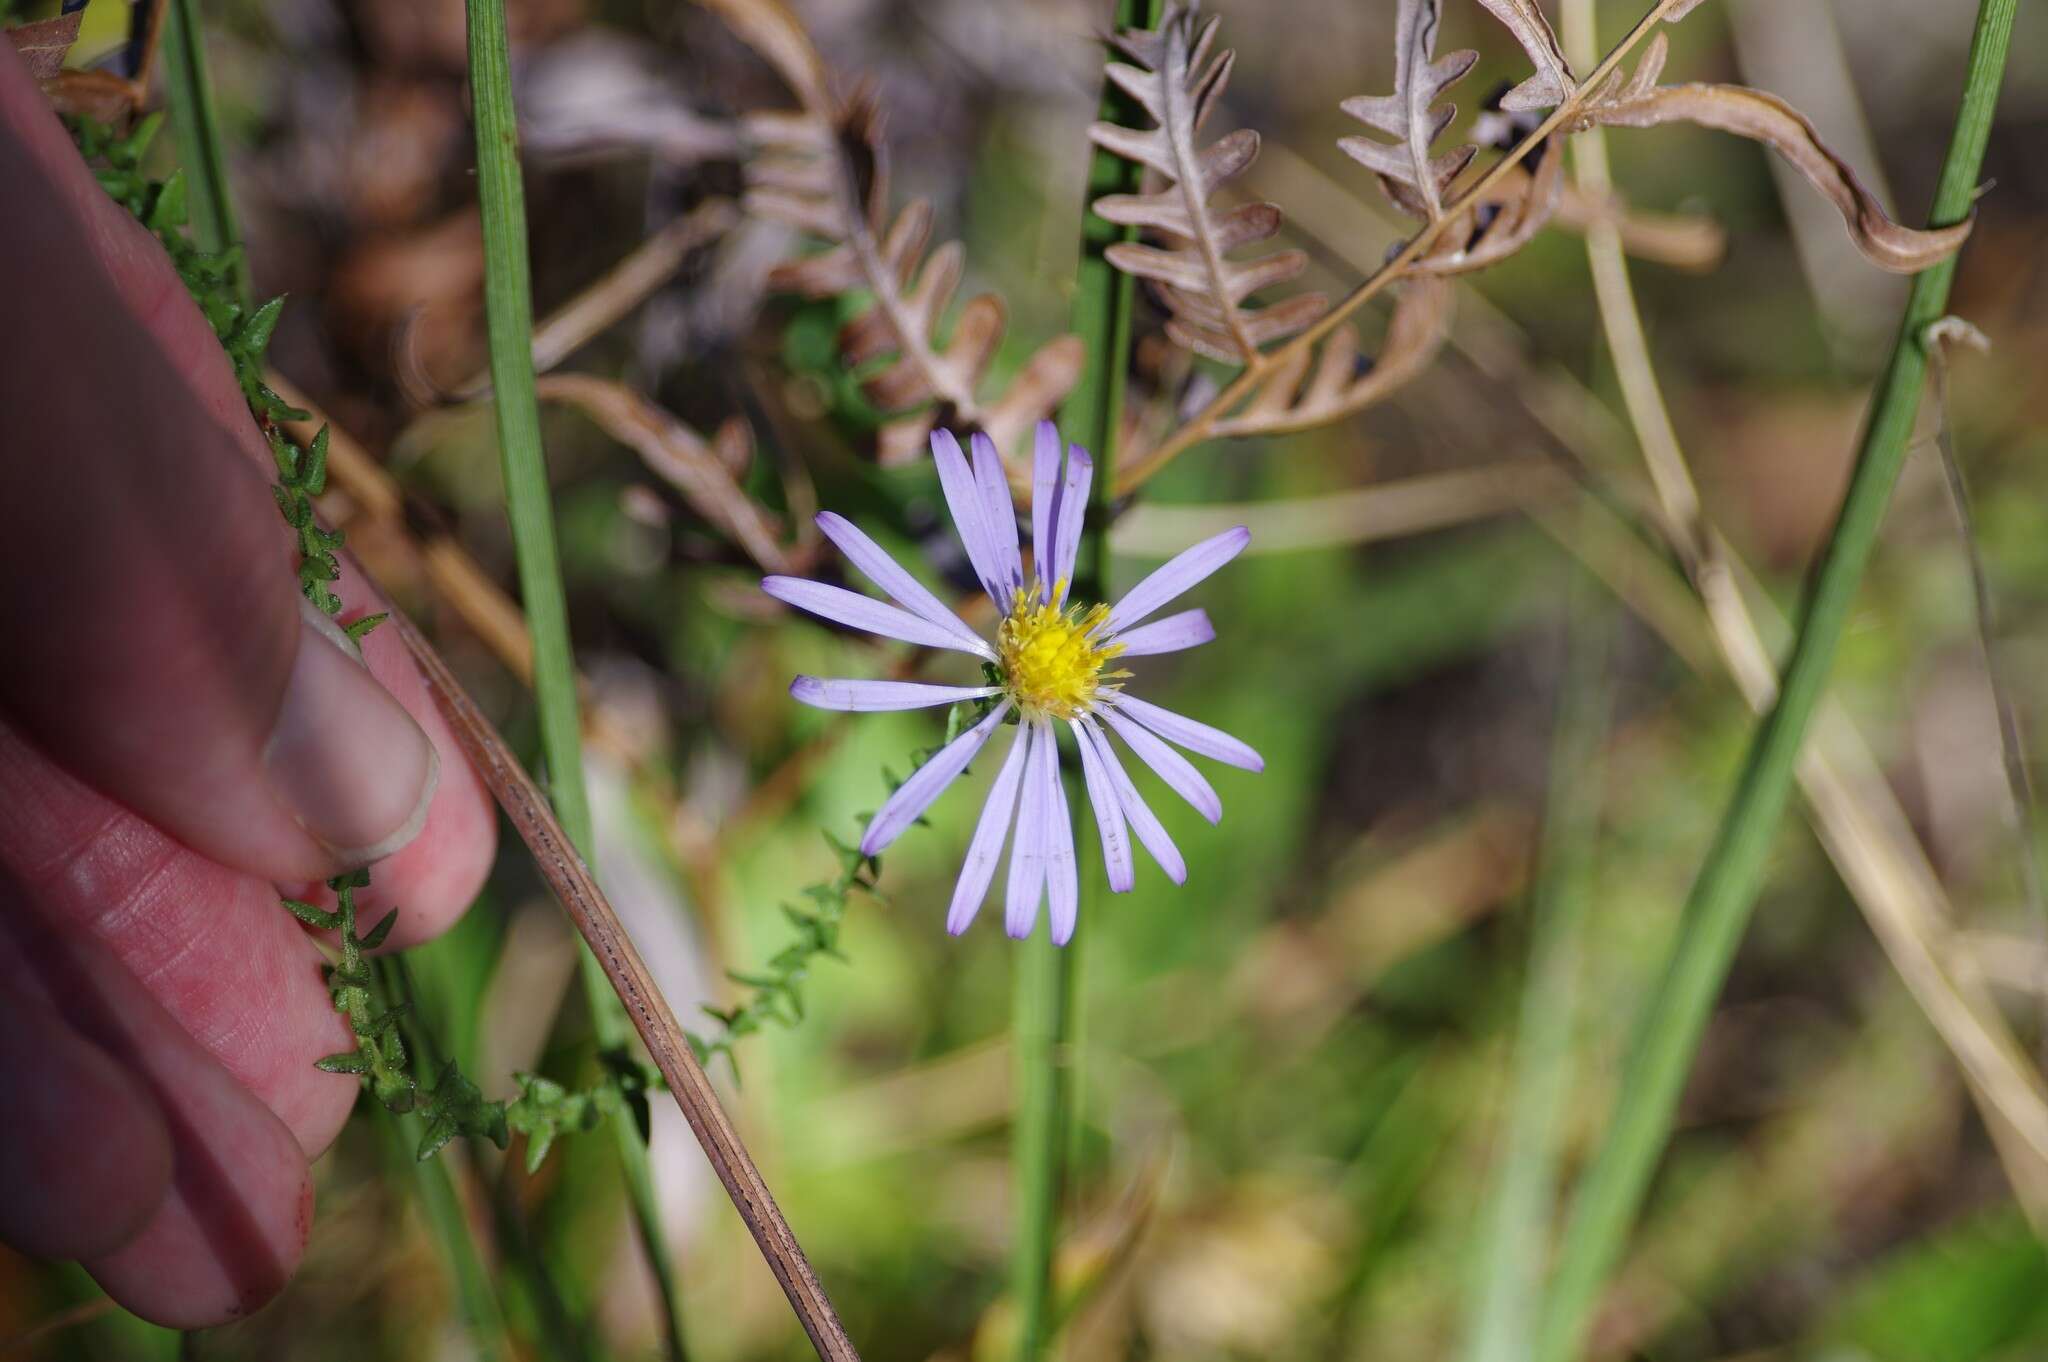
(667, 1043)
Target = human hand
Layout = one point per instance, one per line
(181, 738)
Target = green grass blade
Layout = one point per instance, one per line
(1718, 908)
(508, 307)
(1515, 1226)
(197, 128)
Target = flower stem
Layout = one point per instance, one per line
(508, 308)
(1718, 908)
(1048, 1014)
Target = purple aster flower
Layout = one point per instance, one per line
(1049, 664)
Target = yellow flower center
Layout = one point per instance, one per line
(1052, 664)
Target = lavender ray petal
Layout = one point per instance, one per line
(997, 812)
(867, 697)
(916, 794)
(1109, 814)
(1178, 574)
(885, 572)
(1188, 629)
(1045, 503)
(856, 611)
(1027, 853)
(1190, 733)
(1000, 512)
(1170, 766)
(1073, 510)
(1143, 821)
(1062, 877)
(963, 499)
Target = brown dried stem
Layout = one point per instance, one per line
(667, 1043)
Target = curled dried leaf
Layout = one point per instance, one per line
(1414, 179)
(1313, 388)
(1640, 102)
(100, 96)
(1175, 79)
(1553, 82)
(678, 455)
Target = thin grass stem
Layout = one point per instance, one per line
(1515, 1225)
(1718, 908)
(508, 308)
(197, 129)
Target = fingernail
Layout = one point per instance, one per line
(345, 758)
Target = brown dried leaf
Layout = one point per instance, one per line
(44, 43)
(676, 454)
(100, 96)
(1177, 83)
(1553, 82)
(1414, 179)
(1338, 382)
(1761, 117)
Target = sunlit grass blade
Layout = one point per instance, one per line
(1514, 1229)
(508, 307)
(197, 129)
(1718, 908)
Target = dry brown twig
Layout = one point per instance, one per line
(667, 1043)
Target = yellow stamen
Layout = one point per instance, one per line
(1052, 664)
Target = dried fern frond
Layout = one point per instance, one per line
(1417, 179)
(828, 177)
(1414, 178)
(1314, 388)
(1177, 82)
(1640, 102)
(1553, 82)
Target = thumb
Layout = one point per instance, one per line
(156, 644)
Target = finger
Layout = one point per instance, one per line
(232, 1222)
(434, 878)
(164, 653)
(85, 1157)
(211, 946)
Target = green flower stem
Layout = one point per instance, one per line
(193, 122)
(1048, 1015)
(508, 308)
(1715, 914)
